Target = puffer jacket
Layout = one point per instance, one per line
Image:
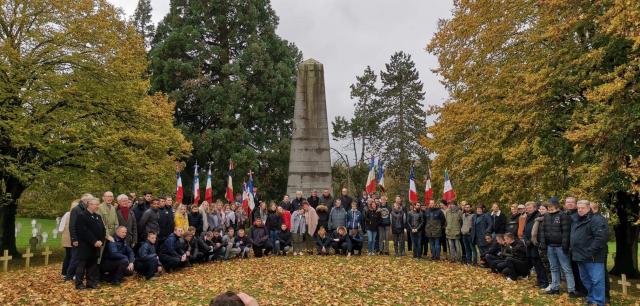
(555, 230)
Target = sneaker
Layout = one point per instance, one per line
(547, 289)
(509, 279)
(553, 291)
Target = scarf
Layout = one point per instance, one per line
(125, 213)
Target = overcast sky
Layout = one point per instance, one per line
(346, 36)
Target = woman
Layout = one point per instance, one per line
(241, 216)
(535, 239)
(181, 219)
(273, 223)
(204, 212)
(195, 219)
(298, 230)
(372, 218)
(229, 217)
(323, 241)
(66, 237)
(215, 220)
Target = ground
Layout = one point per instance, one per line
(302, 280)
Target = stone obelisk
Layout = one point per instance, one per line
(310, 159)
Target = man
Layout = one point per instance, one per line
(589, 234)
(414, 225)
(498, 220)
(512, 224)
(73, 234)
(453, 220)
(595, 210)
(434, 219)
(90, 238)
(259, 238)
(229, 240)
(172, 254)
(141, 207)
(346, 199)
(533, 256)
(148, 263)
(107, 212)
(257, 197)
(117, 261)
(314, 200)
(297, 202)
(515, 264)
(286, 204)
(556, 232)
(260, 212)
(149, 221)
(571, 210)
(169, 203)
(127, 218)
(354, 217)
(337, 217)
(465, 231)
(327, 200)
(166, 219)
(363, 201)
(494, 255)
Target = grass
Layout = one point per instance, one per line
(300, 280)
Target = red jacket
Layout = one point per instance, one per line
(286, 218)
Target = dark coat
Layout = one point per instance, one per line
(296, 203)
(328, 201)
(139, 209)
(73, 218)
(285, 238)
(415, 220)
(118, 250)
(323, 242)
(339, 241)
(172, 247)
(148, 222)
(398, 221)
(90, 230)
(434, 220)
(131, 224)
(372, 219)
(512, 225)
(589, 236)
(147, 252)
(532, 250)
(346, 202)
(166, 222)
(273, 222)
(313, 201)
(556, 230)
(258, 236)
(480, 226)
(517, 250)
(354, 219)
(499, 223)
(195, 220)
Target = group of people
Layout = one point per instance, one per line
(110, 239)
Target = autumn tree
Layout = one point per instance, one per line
(74, 110)
(543, 101)
(233, 80)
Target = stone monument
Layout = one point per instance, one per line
(310, 159)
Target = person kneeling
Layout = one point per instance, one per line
(218, 248)
(148, 263)
(356, 242)
(323, 242)
(243, 243)
(229, 241)
(341, 242)
(117, 262)
(260, 239)
(283, 243)
(172, 254)
(516, 264)
(494, 254)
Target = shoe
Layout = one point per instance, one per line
(509, 279)
(553, 291)
(547, 289)
(96, 286)
(573, 295)
(80, 287)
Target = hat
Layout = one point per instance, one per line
(554, 201)
(520, 206)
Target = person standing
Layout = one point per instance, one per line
(346, 199)
(372, 218)
(337, 217)
(297, 202)
(127, 218)
(398, 224)
(533, 256)
(481, 225)
(107, 212)
(63, 228)
(453, 220)
(327, 200)
(415, 222)
(298, 231)
(498, 220)
(91, 238)
(314, 200)
(588, 240)
(467, 223)
(383, 228)
(556, 233)
(433, 221)
(149, 221)
(286, 203)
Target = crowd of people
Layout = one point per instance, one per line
(110, 239)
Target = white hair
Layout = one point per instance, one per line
(93, 199)
(86, 197)
(122, 197)
(583, 202)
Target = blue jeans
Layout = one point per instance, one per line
(416, 241)
(371, 240)
(434, 244)
(559, 260)
(592, 276)
(273, 237)
(468, 249)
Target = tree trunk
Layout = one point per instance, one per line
(8, 209)
(626, 257)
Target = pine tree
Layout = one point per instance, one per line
(233, 80)
(367, 111)
(402, 114)
(142, 21)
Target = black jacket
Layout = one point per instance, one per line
(415, 220)
(285, 238)
(556, 230)
(147, 252)
(172, 247)
(259, 236)
(398, 221)
(323, 242)
(346, 201)
(195, 220)
(166, 222)
(532, 250)
(313, 201)
(517, 250)
(273, 222)
(139, 209)
(90, 229)
(589, 236)
(499, 223)
(118, 250)
(73, 217)
(339, 241)
(512, 225)
(372, 219)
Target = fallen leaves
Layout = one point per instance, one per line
(307, 280)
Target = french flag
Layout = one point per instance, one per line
(229, 193)
(208, 193)
(380, 176)
(448, 194)
(196, 186)
(413, 193)
(179, 191)
(252, 203)
(428, 191)
(370, 188)
(245, 199)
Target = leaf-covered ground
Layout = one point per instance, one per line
(301, 280)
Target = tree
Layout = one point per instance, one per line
(73, 106)
(142, 21)
(543, 102)
(402, 114)
(367, 112)
(233, 80)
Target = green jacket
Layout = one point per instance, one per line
(109, 217)
(453, 217)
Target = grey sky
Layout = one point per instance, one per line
(346, 36)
